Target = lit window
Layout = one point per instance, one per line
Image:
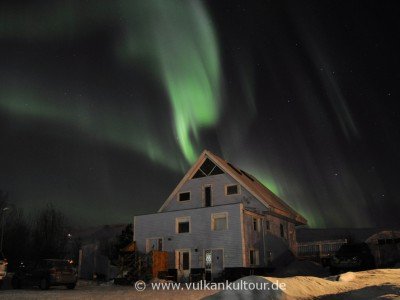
(219, 221)
(184, 196)
(254, 257)
(232, 189)
(183, 225)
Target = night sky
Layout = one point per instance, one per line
(104, 105)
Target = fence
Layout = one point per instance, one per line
(319, 250)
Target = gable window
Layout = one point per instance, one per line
(219, 221)
(182, 225)
(208, 168)
(256, 224)
(232, 189)
(254, 257)
(184, 196)
(282, 230)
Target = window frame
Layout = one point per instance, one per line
(267, 225)
(239, 189)
(184, 201)
(203, 188)
(183, 220)
(257, 222)
(158, 241)
(219, 215)
(282, 231)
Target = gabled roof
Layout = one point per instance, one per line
(276, 205)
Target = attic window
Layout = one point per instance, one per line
(232, 189)
(184, 196)
(208, 168)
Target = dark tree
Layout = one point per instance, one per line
(126, 237)
(124, 260)
(3, 199)
(50, 234)
(17, 237)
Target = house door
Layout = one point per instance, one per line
(183, 264)
(214, 263)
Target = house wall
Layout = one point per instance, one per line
(273, 249)
(201, 237)
(218, 184)
(253, 239)
(269, 243)
(284, 248)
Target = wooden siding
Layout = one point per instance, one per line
(200, 238)
(218, 184)
(268, 240)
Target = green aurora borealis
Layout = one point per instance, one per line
(110, 102)
(180, 46)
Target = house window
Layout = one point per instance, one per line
(267, 225)
(207, 196)
(254, 257)
(232, 189)
(256, 224)
(282, 230)
(183, 225)
(219, 221)
(184, 196)
(208, 168)
(154, 244)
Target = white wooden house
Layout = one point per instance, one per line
(219, 217)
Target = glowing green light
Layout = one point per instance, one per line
(181, 47)
(102, 123)
(173, 40)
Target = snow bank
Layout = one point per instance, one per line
(346, 277)
(371, 284)
(264, 289)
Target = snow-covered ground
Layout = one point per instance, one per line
(101, 292)
(373, 284)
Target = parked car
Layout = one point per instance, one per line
(3, 268)
(352, 257)
(45, 273)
